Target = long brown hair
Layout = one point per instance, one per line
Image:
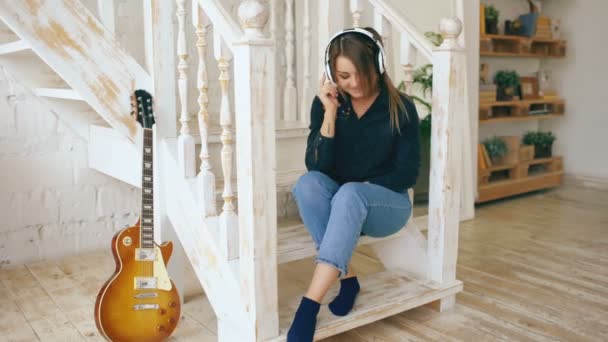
(362, 52)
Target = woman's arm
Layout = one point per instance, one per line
(406, 161)
(320, 146)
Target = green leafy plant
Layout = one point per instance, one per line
(542, 139)
(491, 13)
(434, 37)
(506, 78)
(496, 147)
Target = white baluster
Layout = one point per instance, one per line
(289, 94)
(407, 56)
(273, 19)
(228, 219)
(206, 178)
(106, 14)
(356, 9)
(185, 142)
(307, 91)
(383, 27)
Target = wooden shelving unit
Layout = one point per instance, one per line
(513, 111)
(517, 178)
(492, 45)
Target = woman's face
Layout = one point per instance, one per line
(349, 79)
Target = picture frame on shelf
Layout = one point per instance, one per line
(529, 88)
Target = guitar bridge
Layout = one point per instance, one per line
(146, 295)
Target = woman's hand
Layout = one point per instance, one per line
(328, 94)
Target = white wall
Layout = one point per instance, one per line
(51, 203)
(581, 79)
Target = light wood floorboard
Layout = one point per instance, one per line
(534, 267)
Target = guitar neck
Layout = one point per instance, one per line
(147, 192)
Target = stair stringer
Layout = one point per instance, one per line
(69, 39)
(196, 233)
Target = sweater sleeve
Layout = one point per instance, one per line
(406, 160)
(319, 149)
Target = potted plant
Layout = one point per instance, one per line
(507, 83)
(542, 141)
(496, 148)
(491, 16)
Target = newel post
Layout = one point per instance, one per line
(446, 148)
(255, 138)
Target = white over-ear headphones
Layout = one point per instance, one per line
(368, 34)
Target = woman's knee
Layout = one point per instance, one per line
(349, 193)
(311, 185)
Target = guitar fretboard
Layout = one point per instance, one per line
(147, 193)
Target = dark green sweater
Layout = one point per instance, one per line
(366, 149)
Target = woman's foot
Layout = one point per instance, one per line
(343, 303)
(303, 326)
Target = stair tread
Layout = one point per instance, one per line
(295, 243)
(383, 294)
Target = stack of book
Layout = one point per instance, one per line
(543, 28)
(487, 93)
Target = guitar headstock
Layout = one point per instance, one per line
(142, 108)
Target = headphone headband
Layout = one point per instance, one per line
(368, 34)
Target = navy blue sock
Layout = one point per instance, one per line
(303, 326)
(343, 303)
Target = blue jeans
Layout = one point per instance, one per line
(336, 216)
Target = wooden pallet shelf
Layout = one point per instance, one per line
(512, 187)
(522, 177)
(492, 45)
(521, 118)
(523, 110)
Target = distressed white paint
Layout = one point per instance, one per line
(206, 178)
(222, 20)
(383, 26)
(68, 94)
(198, 240)
(289, 93)
(403, 24)
(86, 56)
(356, 10)
(160, 62)
(106, 14)
(407, 59)
(446, 150)
(115, 155)
(307, 90)
(330, 20)
(185, 142)
(13, 47)
(254, 76)
(228, 218)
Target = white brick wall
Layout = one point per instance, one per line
(51, 203)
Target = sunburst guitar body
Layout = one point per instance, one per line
(139, 302)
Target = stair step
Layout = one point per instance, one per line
(295, 243)
(12, 47)
(59, 93)
(383, 294)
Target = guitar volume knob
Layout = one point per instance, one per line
(160, 328)
(172, 304)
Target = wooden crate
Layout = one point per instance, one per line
(526, 153)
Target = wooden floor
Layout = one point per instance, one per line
(535, 268)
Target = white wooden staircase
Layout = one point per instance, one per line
(65, 54)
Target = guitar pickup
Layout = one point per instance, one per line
(138, 307)
(146, 295)
(145, 254)
(143, 283)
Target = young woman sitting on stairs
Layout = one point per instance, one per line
(362, 155)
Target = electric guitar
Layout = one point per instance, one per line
(139, 302)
